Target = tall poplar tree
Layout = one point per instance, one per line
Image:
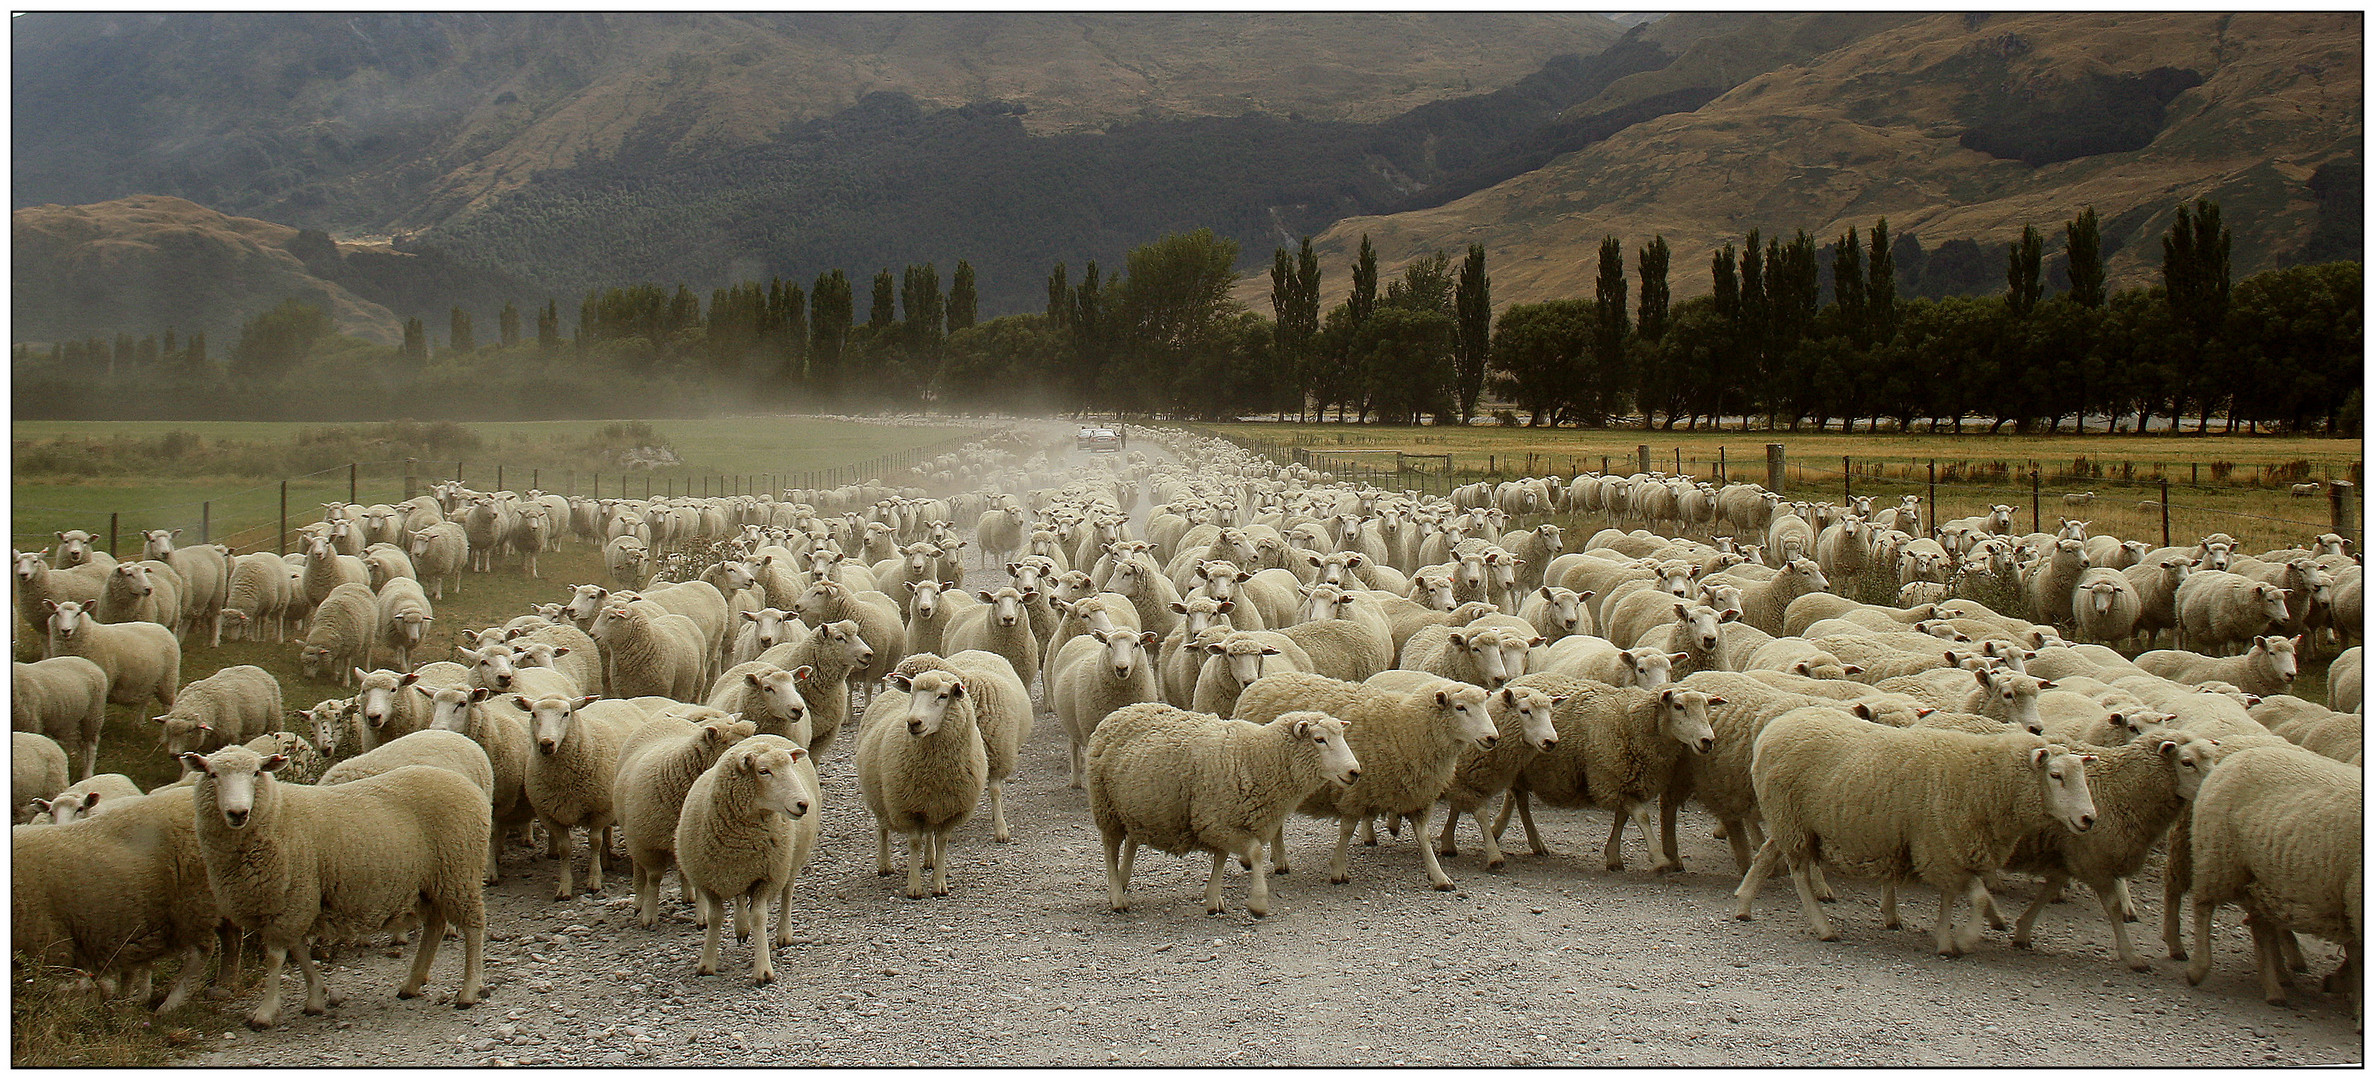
(1472, 305)
(1610, 325)
(1364, 283)
(507, 324)
(2024, 272)
(2085, 235)
(1656, 300)
(963, 302)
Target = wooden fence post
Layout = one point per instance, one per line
(205, 522)
(284, 514)
(1643, 451)
(2036, 511)
(111, 523)
(2337, 494)
(1776, 465)
(411, 481)
(2164, 511)
(1846, 478)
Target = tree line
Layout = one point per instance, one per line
(1791, 333)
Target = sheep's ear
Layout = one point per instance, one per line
(1216, 649)
(1147, 638)
(1678, 657)
(1587, 594)
(750, 616)
(898, 680)
(1802, 668)
(1175, 606)
(1442, 698)
(1681, 611)
(1852, 669)
(1269, 650)
(360, 674)
(1315, 560)
(1227, 606)
(273, 763)
(1715, 701)
(2039, 755)
(1508, 696)
(1730, 614)
(521, 703)
(158, 719)
(194, 762)
(752, 677)
(204, 725)
(1862, 710)
(986, 598)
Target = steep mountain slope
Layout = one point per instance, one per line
(1951, 126)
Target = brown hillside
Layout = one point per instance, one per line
(1876, 127)
(142, 264)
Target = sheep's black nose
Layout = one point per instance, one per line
(237, 818)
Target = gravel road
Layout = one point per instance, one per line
(1551, 960)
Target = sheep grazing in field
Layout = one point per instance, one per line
(1182, 781)
(748, 826)
(226, 708)
(2217, 609)
(1944, 807)
(922, 768)
(1618, 748)
(37, 771)
(64, 698)
(259, 590)
(404, 618)
(90, 796)
(343, 627)
(656, 767)
(1409, 745)
(2277, 829)
(292, 863)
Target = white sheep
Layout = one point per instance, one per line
(922, 769)
(142, 660)
(2278, 829)
(1001, 625)
(656, 767)
(563, 648)
(1557, 612)
(1944, 807)
(1343, 644)
(438, 553)
(259, 590)
(569, 778)
(115, 893)
(89, 796)
(768, 696)
(831, 652)
(748, 826)
(2267, 667)
(226, 708)
(1523, 716)
(504, 733)
(293, 863)
(1618, 747)
(403, 618)
(878, 619)
(1002, 711)
(145, 591)
(1583, 656)
(2217, 609)
(2343, 680)
(1095, 674)
(65, 698)
(342, 629)
(653, 652)
(36, 769)
(1238, 659)
(1479, 656)
(1183, 781)
(1408, 743)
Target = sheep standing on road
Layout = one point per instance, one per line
(570, 778)
(748, 826)
(293, 864)
(2277, 829)
(656, 767)
(831, 652)
(1523, 716)
(922, 768)
(1095, 674)
(1182, 781)
(1617, 747)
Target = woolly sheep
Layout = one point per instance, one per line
(1739, 707)
(2054, 580)
(2217, 609)
(2277, 829)
(1002, 711)
(1343, 646)
(1903, 803)
(831, 652)
(1000, 625)
(1523, 717)
(39, 586)
(2268, 667)
(403, 618)
(326, 569)
(565, 649)
(570, 776)
(1557, 612)
(259, 590)
(291, 863)
(383, 563)
(226, 708)
(2104, 607)
(141, 660)
(504, 733)
(37, 770)
(2343, 681)
(145, 591)
(64, 698)
(1238, 659)
(1764, 603)
(1095, 674)
(1812, 608)
(306, 764)
(1408, 744)
(1618, 748)
(1479, 656)
(89, 796)
(653, 653)
(922, 769)
(2139, 790)
(342, 630)
(448, 750)
(1797, 656)
(768, 696)
(115, 893)
(656, 767)
(1183, 781)
(1583, 656)
(748, 826)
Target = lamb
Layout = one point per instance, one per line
(656, 767)
(1002, 711)
(2277, 829)
(1235, 661)
(448, 750)
(226, 708)
(1002, 626)
(404, 617)
(652, 653)
(1618, 747)
(113, 894)
(1523, 715)
(569, 778)
(1903, 803)
(292, 863)
(1408, 744)
(2268, 667)
(37, 771)
(1183, 781)
(830, 652)
(922, 768)
(342, 630)
(64, 698)
(748, 826)
(1096, 673)
(768, 696)
(2217, 609)
(2139, 789)
(90, 796)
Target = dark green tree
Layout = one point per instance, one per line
(416, 342)
(884, 313)
(1059, 296)
(963, 302)
(1880, 289)
(507, 324)
(1472, 306)
(1538, 355)
(1171, 305)
(831, 310)
(197, 350)
(548, 328)
(278, 339)
(1294, 307)
(1847, 286)
(1090, 332)
(1608, 337)
(2194, 273)
(2024, 273)
(1657, 300)
(1364, 282)
(2085, 235)
(1407, 351)
(926, 311)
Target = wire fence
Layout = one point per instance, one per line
(265, 517)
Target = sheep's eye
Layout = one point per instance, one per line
(2057, 776)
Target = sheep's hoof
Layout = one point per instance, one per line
(1448, 852)
(762, 980)
(915, 894)
(705, 969)
(1215, 910)
(1615, 864)
(258, 1023)
(1445, 886)
(1668, 868)
(1892, 924)
(1276, 871)
(2139, 964)
(1339, 879)
(941, 890)
(2023, 943)
(408, 992)
(884, 872)
(1832, 936)
(1496, 863)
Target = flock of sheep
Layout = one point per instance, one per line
(1271, 644)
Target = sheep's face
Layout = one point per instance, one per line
(1514, 651)
(1650, 668)
(1124, 650)
(1682, 716)
(1336, 760)
(776, 785)
(74, 548)
(585, 602)
(156, 543)
(2283, 656)
(2102, 595)
(1533, 710)
(781, 689)
(539, 654)
(737, 575)
(235, 774)
(1484, 656)
(2214, 556)
(376, 692)
(2015, 697)
(770, 628)
(1471, 716)
(929, 696)
(1699, 623)
(29, 564)
(1563, 607)
(1471, 574)
(844, 635)
(2271, 603)
(1219, 580)
(2062, 776)
(2189, 758)
(491, 666)
(1006, 607)
(1675, 578)
(182, 735)
(1723, 598)
(550, 719)
(328, 730)
(1433, 590)
(1503, 570)
(1243, 658)
(135, 579)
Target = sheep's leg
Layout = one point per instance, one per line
(1117, 882)
(2176, 878)
(742, 918)
(1613, 853)
(998, 829)
(2120, 938)
(1368, 831)
(318, 998)
(1888, 907)
(2290, 943)
(193, 963)
(1212, 900)
(1815, 917)
(1995, 919)
(1668, 859)
(882, 851)
(1340, 867)
(1670, 854)
(228, 943)
(1080, 764)
(562, 842)
(2127, 902)
(600, 857)
(783, 918)
(1960, 938)
(647, 895)
(143, 984)
(940, 861)
(1426, 852)
(919, 849)
(432, 933)
(2267, 960)
(268, 1010)
(2028, 918)
(1444, 844)
(1257, 895)
(762, 957)
(1278, 860)
(1736, 834)
(494, 871)
(90, 758)
(713, 923)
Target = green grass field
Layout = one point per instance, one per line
(2234, 484)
